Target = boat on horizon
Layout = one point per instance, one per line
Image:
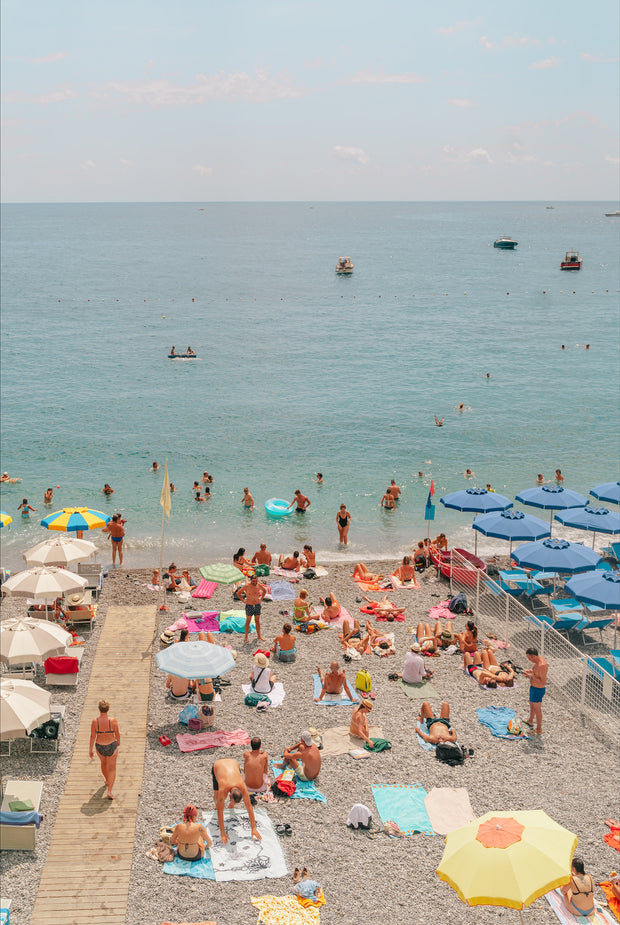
(505, 243)
(572, 261)
(612, 214)
(344, 265)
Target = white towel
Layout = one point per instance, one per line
(276, 694)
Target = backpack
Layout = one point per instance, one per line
(363, 681)
(309, 573)
(254, 698)
(458, 604)
(261, 570)
(450, 753)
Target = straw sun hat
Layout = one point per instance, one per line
(260, 659)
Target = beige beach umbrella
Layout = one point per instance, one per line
(30, 640)
(23, 707)
(60, 550)
(43, 583)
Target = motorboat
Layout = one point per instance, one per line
(612, 214)
(572, 261)
(344, 265)
(442, 559)
(505, 243)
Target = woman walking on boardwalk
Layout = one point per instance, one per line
(105, 738)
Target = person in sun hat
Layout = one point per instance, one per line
(414, 669)
(304, 757)
(262, 679)
(359, 721)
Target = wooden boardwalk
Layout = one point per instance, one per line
(85, 880)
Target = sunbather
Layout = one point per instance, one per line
(228, 782)
(350, 630)
(190, 836)
(255, 765)
(284, 646)
(301, 607)
(178, 688)
(438, 728)
(444, 636)
(304, 757)
(334, 681)
(360, 571)
(468, 640)
(405, 571)
(384, 608)
(261, 679)
(331, 607)
(484, 669)
(290, 563)
(414, 669)
(374, 639)
(426, 639)
(578, 893)
(359, 721)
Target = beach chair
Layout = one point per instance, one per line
(608, 667)
(16, 835)
(568, 623)
(94, 574)
(597, 624)
(26, 672)
(613, 551)
(62, 670)
(560, 606)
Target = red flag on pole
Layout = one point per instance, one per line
(432, 491)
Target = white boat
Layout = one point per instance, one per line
(612, 214)
(505, 243)
(344, 265)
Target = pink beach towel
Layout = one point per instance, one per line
(205, 589)
(338, 621)
(201, 623)
(441, 612)
(195, 743)
(285, 573)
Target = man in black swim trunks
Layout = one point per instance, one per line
(302, 502)
(252, 594)
(439, 728)
(227, 781)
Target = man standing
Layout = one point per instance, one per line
(301, 501)
(247, 500)
(252, 594)
(116, 532)
(334, 681)
(227, 780)
(395, 489)
(538, 682)
(256, 766)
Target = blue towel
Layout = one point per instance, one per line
(27, 818)
(427, 746)
(304, 789)
(404, 805)
(282, 591)
(496, 719)
(345, 702)
(201, 870)
(235, 625)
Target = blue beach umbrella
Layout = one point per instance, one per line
(476, 501)
(554, 555)
(601, 589)
(551, 498)
(608, 491)
(511, 525)
(75, 519)
(594, 519)
(195, 660)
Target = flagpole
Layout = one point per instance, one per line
(165, 503)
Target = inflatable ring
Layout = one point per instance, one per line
(276, 507)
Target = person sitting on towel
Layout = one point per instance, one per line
(262, 556)
(359, 721)
(334, 681)
(228, 782)
(414, 669)
(284, 646)
(406, 571)
(438, 728)
(290, 563)
(190, 836)
(261, 679)
(255, 766)
(484, 669)
(578, 893)
(304, 757)
(384, 608)
(178, 688)
(331, 607)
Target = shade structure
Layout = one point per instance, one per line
(5, 519)
(75, 519)
(43, 583)
(23, 707)
(30, 640)
(511, 525)
(601, 589)
(507, 859)
(60, 550)
(607, 491)
(476, 500)
(591, 518)
(222, 573)
(553, 555)
(195, 660)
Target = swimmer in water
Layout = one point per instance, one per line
(190, 352)
(558, 475)
(438, 421)
(107, 490)
(468, 474)
(319, 478)
(25, 508)
(172, 487)
(5, 478)
(198, 497)
(540, 478)
(461, 406)
(155, 465)
(47, 497)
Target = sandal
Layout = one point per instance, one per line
(392, 676)
(296, 873)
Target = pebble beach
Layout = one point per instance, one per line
(570, 772)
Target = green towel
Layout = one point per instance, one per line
(21, 806)
(378, 745)
(423, 690)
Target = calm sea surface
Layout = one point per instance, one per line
(298, 369)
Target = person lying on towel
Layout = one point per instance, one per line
(228, 782)
(384, 608)
(373, 639)
(438, 728)
(484, 669)
(334, 681)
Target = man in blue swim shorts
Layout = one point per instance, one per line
(252, 594)
(538, 681)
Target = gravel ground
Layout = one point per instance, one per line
(568, 772)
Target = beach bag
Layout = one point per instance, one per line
(187, 713)
(206, 715)
(451, 753)
(261, 570)
(514, 728)
(310, 573)
(194, 724)
(363, 680)
(165, 852)
(307, 628)
(253, 699)
(458, 604)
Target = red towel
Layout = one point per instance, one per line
(61, 664)
(194, 743)
(204, 589)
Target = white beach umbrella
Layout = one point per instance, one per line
(23, 707)
(43, 583)
(60, 550)
(30, 640)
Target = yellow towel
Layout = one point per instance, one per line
(284, 910)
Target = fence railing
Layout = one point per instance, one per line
(573, 675)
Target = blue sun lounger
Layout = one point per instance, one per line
(566, 623)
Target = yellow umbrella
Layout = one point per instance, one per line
(5, 519)
(75, 519)
(507, 859)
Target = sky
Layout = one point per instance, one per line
(297, 100)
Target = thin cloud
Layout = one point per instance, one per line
(486, 43)
(352, 155)
(610, 159)
(598, 59)
(88, 165)
(125, 164)
(462, 104)
(259, 87)
(545, 64)
(518, 155)
(202, 170)
(519, 41)
(457, 27)
(459, 156)
(367, 77)
(43, 99)
(45, 59)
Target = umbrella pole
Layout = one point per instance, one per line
(521, 915)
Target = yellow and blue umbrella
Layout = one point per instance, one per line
(5, 519)
(75, 519)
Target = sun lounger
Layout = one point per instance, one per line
(20, 836)
(613, 551)
(599, 624)
(62, 670)
(94, 574)
(608, 666)
(572, 621)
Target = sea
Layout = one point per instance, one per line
(299, 370)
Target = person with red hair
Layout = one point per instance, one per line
(190, 836)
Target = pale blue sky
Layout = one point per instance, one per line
(200, 100)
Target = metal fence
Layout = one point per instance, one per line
(573, 675)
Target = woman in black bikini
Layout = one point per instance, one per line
(579, 892)
(343, 519)
(105, 738)
(190, 836)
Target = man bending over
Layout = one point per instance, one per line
(227, 781)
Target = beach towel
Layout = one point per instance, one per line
(276, 694)
(306, 901)
(399, 585)
(598, 917)
(352, 654)
(381, 618)
(284, 910)
(404, 805)
(199, 622)
(440, 612)
(367, 586)
(612, 841)
(485, 687)
(201, 870)
(337, 621)
(282, 591)
(243, 857)
(422, 690)
(321, 572)
(496, 719)
(264, 787)
(340, 699)
(285, 573)
(204, 589)
(195, 743)
(233, 621)
(338, 741)
(427, 746)
(384, 653)
(614, 904)
(304, 789)
(448, 809)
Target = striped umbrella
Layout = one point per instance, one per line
(222, 573)
(195, 660)
(75, 519)
(5, 519)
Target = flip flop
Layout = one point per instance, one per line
(371, 695)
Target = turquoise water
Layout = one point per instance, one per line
(298, 369)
